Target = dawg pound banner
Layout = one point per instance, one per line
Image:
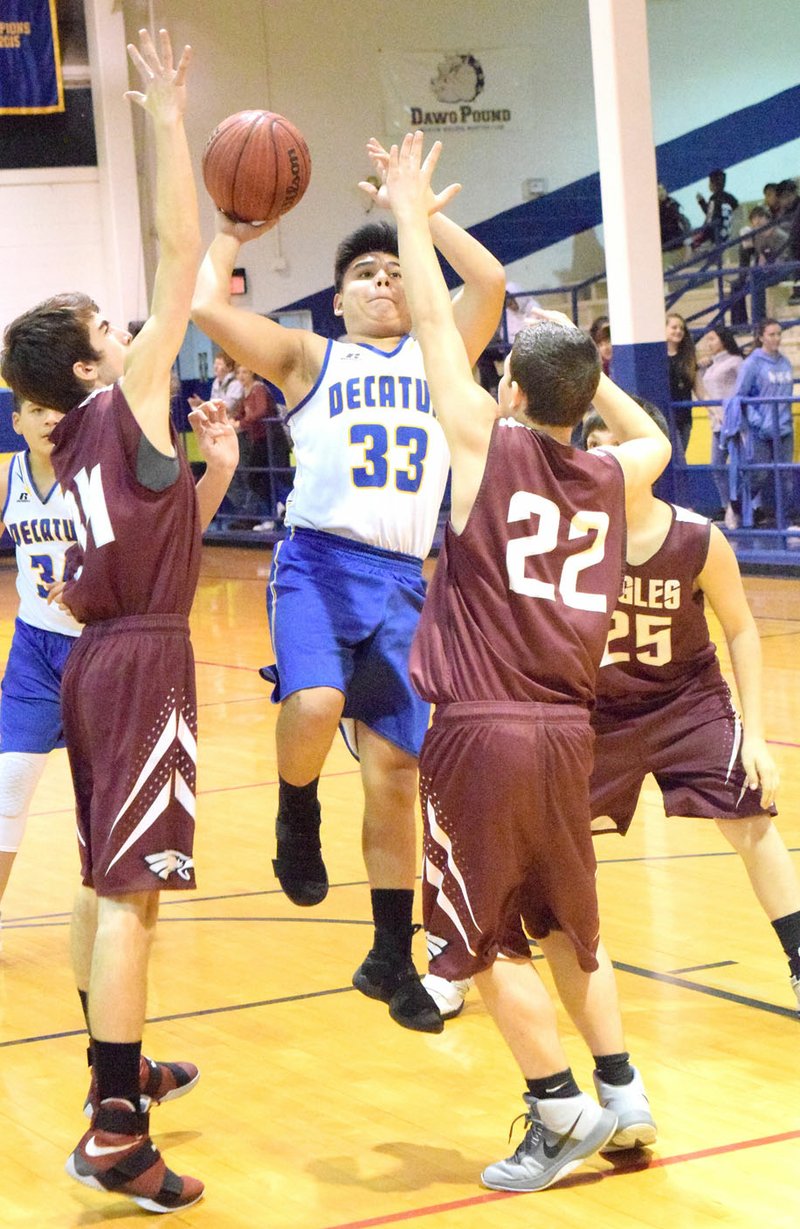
(30, 61)
(449, 91)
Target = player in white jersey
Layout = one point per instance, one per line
(346, 586)
(36, 516)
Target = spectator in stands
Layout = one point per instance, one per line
(674, 223)
(225, 387)
(788, 224)
(771, 199)
(767, 374)
(256, 407)
(756, 249)
(718, 209)
(720, 370)
(600, 333)
(516, 314)
(683, 379)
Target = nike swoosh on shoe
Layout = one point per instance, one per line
(551, 1151)
(97, 1150)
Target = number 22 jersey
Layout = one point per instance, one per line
(520, 603)
(372, 459)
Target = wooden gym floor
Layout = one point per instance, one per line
(314, 1110)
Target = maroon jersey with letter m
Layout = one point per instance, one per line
(138, 550)
(520, 603)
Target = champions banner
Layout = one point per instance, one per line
(30, 60)
(449, 91)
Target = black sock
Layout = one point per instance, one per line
(788, 931)
(116, 1069)
(560, 1084)
(298, 803)
(83, 995)
(391, 912)
(614, 1068)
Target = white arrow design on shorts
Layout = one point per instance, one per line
(436, 878)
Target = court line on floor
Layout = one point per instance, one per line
(472, 1201)
(651, 974)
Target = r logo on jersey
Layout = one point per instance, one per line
(23, 498)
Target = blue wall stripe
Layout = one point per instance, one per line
(535, 225)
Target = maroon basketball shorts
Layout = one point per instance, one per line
(505, 806)
(130, 721)
(692, 746)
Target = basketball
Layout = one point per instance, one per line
(256, 166)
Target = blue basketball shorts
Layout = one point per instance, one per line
(343, 615)
(30, 711)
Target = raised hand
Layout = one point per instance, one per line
(408, 177)
(534, 314)
(163, 86)
(243, 231)
(216, 437)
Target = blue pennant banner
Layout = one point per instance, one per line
(30, 60)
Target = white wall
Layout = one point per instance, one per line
(317, 61)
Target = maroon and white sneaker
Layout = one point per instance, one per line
(117, 1154)
(157, 1082)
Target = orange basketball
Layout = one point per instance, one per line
(256, 166)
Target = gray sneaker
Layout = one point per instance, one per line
(635, 1126)
(544, 1156)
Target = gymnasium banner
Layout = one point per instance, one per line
(30, 60)
(449, 91)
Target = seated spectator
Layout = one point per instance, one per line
(683, 381)
(675, 225)
(720, 370)
(718, 209)
(771, 199)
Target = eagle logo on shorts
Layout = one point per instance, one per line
(170, 862)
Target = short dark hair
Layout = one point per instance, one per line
(718, 175)
(558, 370)
(768, 187)
(787, 185)
(41, 347)
(593, 421)
(371, 237)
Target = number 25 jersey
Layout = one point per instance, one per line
(372, 460)
(520, 602)
(659, 644)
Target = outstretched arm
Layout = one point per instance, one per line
(146, 380)
(465, 410)
(478, 304)
(290, 358)
(721, 583)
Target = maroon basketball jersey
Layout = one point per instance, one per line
(138, 551)
(659, 643)
(519, 605)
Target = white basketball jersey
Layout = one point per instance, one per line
(372, 460)
(42, 531)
